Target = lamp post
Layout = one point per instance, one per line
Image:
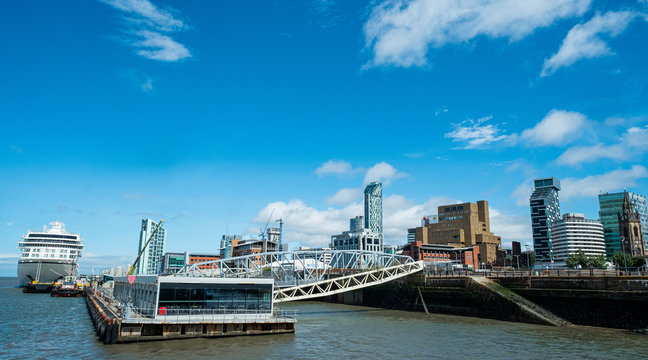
(528, 251)
(625, 263)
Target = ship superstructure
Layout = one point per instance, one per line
(49, 254)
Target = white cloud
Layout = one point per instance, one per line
(335, 167)
(144, 10)
(156, 46)
(345, 196)
(584, 42)
(557, 128)
(510, 227)
(384, 173)
(147, 24)
(476, 134)
(522, 192)
(400, 33)
(9, 223)
(631, 145)
(309, 226)
(593, 185)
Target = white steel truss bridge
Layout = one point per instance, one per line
(302, 275)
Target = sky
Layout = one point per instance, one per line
(214, 114)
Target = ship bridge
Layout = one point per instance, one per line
(300, 275)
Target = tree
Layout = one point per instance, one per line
(630, 262)
(579, 258)
(638, 262)
(598, 262)
(622, 260)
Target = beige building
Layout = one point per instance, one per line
(462, 225)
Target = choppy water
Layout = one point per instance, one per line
(39, 326)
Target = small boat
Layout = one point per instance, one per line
(67, 288)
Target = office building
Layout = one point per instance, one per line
(356, 223)
(151, 260)
(465, 257)
(545, 209)
(573, 233)
(172, 263)
(610, 206)
(201, 258)
(373, 207)
(463, 225)
(228, 242)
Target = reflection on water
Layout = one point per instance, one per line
(39, 326)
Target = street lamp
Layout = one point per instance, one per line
(528, 251)
(625, 263)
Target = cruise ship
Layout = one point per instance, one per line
(49, 254)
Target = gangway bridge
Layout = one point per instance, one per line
(304, 274)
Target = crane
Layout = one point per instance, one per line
(132, 269)
(263, 231)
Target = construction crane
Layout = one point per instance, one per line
(132, 269)
(263, 231)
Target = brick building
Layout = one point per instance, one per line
(460, 226)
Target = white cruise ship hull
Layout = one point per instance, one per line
(44, 271)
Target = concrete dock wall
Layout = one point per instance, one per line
(597, 301)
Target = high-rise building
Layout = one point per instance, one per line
(373, 207)
(632, 241)
(228, 242)
(356, 223)
(368, 237)
(463, 225)
(151, 260)
(573, 233)
(545, 209)
(610, 206)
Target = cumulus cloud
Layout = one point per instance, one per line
(522, 192)
(631, 145)
(309, 226)
(584, 40)
(334, 167)
(147, 25)
(557, 128)
(476, 133)
(511, 227)
(400, 32)
(345, 196)
(595, 184)
(384, 173)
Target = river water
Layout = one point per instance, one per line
(39, 326)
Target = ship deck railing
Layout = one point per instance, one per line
(130, 313)
(212, 316)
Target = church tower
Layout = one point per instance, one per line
(630, 229)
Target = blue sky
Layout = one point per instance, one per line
(212, 114)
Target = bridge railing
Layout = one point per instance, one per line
(539, 272)
(290, 268)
